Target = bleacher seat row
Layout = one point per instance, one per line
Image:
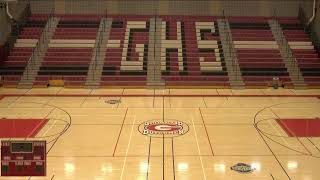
(13, 68)
(307, 57)
(126, 53)
(191, 52)
(69, 53)
(258, 53)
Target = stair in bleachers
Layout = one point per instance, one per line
(70, 50)
(163, 51)
(36, 59)
(13, 68)
(286, 53)
(97, 60)
(154, 60)
(257, 52)
(302, 49)
(229, 51)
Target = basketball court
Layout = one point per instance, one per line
(135, 134)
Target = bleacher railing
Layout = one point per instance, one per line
(99, 46)
(231, 51)
(17, 24)
(154, 48)
(31, 63)
(294, 64)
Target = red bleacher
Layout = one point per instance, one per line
(303, 50)
(114, 72)
(69, 63)
(192, 74)
(257, 52)
(18, 57)
(259, 61)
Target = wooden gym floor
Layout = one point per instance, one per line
(89, 139)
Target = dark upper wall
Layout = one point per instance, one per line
(307, 6)
(5, 26)
(170, 7)
(16, 8)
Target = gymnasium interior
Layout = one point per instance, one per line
(160, 89)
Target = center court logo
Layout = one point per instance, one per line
(167, 129)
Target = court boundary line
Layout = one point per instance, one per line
(184, 155)
(120, 98)
(153, 99)
(274, 155)
(204, 102)
(314, 144)
(199, 151)
(122, 124)
(173, 163)
(163, 115)
(54, 95)
(155, 95)
(303, 145)
(149, 156)
(51, 125)
(37, 129)
(205, 128)
(85, 99)
(262, 136)
(272, 176)
(127, 151)
(163, 157)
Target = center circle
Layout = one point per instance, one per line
(167, 129)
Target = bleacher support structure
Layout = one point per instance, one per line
(287, 55)
(161, 52)
(36, 58)
(154, 60)
(231, 60)
(98, 56)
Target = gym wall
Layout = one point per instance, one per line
(170, 7)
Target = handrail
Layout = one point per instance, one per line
(36, 50)
(231, 53)
(294, 64)
(98, 46)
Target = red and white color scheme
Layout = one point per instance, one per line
(303, 127)
(14, 65)
(304, 51)
(21, 128)
(170, 128)
(191, 52)
(126, 54)
(23, 158)
(258, 53)
(70, 51)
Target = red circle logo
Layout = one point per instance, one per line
(163, 129)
